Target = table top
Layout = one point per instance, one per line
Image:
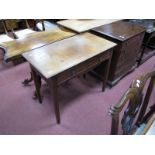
(148, 24)
(119, 30)
(82, 25)
(32, 41)
(55, 58)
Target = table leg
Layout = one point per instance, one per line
(54, 92)
(106, 73)
(141, 55)
(37, 82)
(143, 50)
(27, 81)
(84, 75)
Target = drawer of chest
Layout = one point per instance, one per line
(133, 42)
(83, 67)
(124, 68)
(136, 41)
(126, 59)
(130, 49)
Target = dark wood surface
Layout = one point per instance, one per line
(134, 102)
(66, 59)
(120, 31)
(148, 42)
(1, 27)
(145, 54)
(129, 38)
(148, 24)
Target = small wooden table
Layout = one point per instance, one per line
(65, 59)
(14, 49)
(129, 38)
(82, 25)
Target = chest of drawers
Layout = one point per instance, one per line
(129, 39)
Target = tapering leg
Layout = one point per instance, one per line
(84, 75)
(27, 81)
(37, 82)
(143, 51)
(141, 55)
(106, 73)
(114, 125)
(54, 92)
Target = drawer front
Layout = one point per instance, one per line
(84, 66)
(135, 44)
(130, 50)
(124, 68)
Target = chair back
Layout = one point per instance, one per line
(11, 24)
(136, 103)
(42, 25)
(40, 21)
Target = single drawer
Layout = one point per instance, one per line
(93, 62)
(84, 66)
(124, 68)
(130, 49)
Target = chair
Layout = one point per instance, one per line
(146, 122)
(11, 24)
(42, 25)
(4, 37)
(136, 102)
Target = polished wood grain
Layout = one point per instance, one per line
(121, 31)
(15, 48)
(134, 102)
(53, 59)
(66, 59)
(148, 24)
(81, 25)
(129, 38)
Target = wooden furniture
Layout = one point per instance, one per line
(149, 128)
(65, 59)
(82, 25)
(11, 24)
(43, 25)
(147, 125)
(15, 48)
(129, 38)
(1, 27)
(4, 37)
(149, 25)
(136, 101)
